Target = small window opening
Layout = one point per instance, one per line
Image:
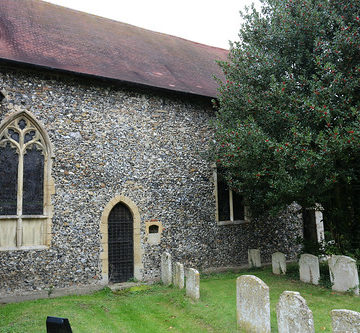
(230, 205)
(153, 229)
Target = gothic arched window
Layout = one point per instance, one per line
(25, 183)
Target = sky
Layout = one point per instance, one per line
(204, 21)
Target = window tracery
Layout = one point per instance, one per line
(25, 158)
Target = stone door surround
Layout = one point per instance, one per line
(104, 258)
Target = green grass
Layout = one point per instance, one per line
(162, 309)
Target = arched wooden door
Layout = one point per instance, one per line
(120, 244)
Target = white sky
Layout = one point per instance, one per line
(205, 21)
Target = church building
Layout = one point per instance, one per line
(104, 134)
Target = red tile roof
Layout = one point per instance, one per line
(40, 33)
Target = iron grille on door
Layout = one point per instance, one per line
(120, 238)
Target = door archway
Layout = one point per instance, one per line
(119, 220)
(120, 244)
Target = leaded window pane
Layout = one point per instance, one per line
(23, 166)
(33, 184)
(14, 135)
(9, 160)
(29, 136)
(238, 206)
(223, 199)
(22, 123)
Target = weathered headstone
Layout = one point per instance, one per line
(193, 283)
(319, 223)
(344, 274)
(345, 321)
(254, 258)
(309, 268)
(166, 268)
(278, 263)
(252, 304)
(179, 275)
(293, 314)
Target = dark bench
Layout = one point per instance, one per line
(57, 325)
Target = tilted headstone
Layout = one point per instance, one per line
(278, 263)
(344, 275)
(254, 258)
(309, 268)
(179, 275)
(345, 321)
(252, 304)
(166, 268)
(193, 283)
(293, 314)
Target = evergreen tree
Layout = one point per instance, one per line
(287, 124)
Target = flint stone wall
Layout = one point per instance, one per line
(145, 145)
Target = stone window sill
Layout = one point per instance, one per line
(12, 217)
(233, 222)
(24, 248)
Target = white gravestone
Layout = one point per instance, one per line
(254, 258)
(309, 269)
(252, 304)
(345, 321)
(344, 274)
(319, 224)
(193, 283)
(293, 314)
(179, 275)
(166, 269)
(278, 263)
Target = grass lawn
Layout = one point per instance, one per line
(162, 309)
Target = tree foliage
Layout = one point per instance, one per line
(287, 124)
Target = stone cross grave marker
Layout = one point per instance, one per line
(345, 321)
(254, 258)
(252, 304)
(166, 268)
(193, 283)
(179, 275)
(278, 263)
(309, 269)
(344, 274)
(293, 314)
